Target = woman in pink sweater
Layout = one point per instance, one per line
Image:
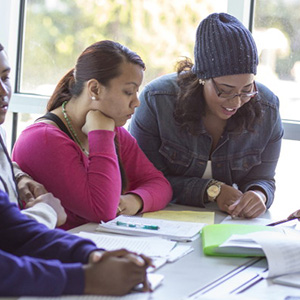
(79, 150)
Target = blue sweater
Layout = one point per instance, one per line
(37, 261)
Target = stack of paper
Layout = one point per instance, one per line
(160, 250)
(173, 230)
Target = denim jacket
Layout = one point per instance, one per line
(248, 159)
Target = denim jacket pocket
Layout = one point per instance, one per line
(243, 163)
(177, 157)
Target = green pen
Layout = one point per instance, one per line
(131, 225)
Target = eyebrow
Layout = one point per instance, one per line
(132, 82)
(231, 86)
(6, 70)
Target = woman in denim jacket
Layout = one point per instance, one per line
(211, 129)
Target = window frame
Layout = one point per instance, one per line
(12, 18)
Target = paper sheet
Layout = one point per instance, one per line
(150, 246)
(206, 217)
(255, 221)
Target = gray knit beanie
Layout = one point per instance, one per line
(224, 46)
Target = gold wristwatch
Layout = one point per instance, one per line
(213, 190)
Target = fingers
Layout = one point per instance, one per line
(30, 189)
(295, 214)
(138, 260)
(27, 196)
(39, 190)
(249, 206)
(147, 286)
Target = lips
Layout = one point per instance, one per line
(228, 111)
(3, 106)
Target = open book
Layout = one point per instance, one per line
(279, 245)
(213, 237)
(173, 230)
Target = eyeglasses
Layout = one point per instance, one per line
(243, 96)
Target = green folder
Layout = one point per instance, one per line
(216, 234)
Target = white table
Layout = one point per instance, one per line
(196, 271)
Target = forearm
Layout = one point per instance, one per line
(42, 213)
(26, 276)
(155, 195)
(188, 190)
(35, 239)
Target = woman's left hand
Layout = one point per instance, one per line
(130, 204)
(250, 205)
(29, 189)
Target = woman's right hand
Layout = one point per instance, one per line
(96, 120)
(227, 197)
(116, 273)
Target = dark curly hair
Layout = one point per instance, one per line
(190, 104)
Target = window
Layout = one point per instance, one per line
(276, 31)
(159, 30)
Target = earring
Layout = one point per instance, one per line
(93, 98)
(201, 81)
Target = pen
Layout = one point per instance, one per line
(132, 225)
(282, 221)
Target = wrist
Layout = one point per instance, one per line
(95, 256)
(260, 191)
(213, 190)
(261, 195)
(21, 175)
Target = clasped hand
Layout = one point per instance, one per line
(115, 272)
(248, 205)
(32, 192)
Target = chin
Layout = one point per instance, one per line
(120, 124)
(2, 118)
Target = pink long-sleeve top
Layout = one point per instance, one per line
(90, 187)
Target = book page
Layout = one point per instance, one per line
(282, 251)
(281, 248)
(150, 246)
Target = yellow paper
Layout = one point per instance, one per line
(207, 217)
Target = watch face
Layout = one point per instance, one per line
(213, 191)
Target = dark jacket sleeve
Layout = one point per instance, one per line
(36, 260)
(27, 276)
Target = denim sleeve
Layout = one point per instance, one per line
(263, 175)
(145, 127)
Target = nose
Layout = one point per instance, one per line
(135, 102)
(236, 100)
(3, 89)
